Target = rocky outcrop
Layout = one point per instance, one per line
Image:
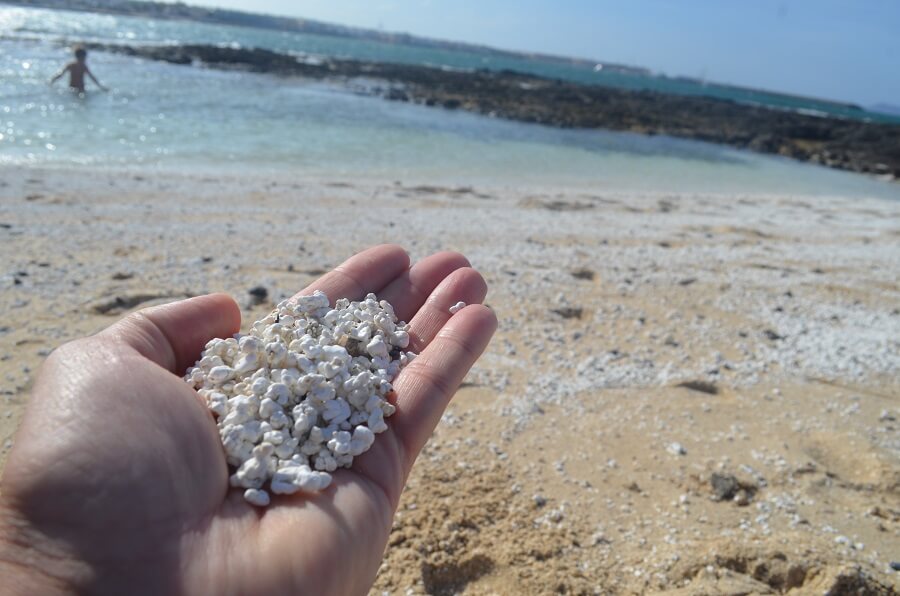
(846, 144)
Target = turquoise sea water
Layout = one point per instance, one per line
(107, 28)
(178, 117)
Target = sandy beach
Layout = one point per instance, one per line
(687, 394)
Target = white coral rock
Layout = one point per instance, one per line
(304, 392)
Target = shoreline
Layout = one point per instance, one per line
(756, 333)
(844, 144)
(198, 177)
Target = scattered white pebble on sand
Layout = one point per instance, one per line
(304, 392)
(457, 307)
(676, 449)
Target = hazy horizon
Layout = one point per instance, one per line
(830, 49)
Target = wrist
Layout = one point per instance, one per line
(27, 564)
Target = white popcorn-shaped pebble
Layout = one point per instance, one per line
(457, 307)
(218, 403)
(340, 443)
(377, 347)
(219, 374)
(362, 439)
(291, 479)
(376, 421)
(304, 392)
(257, 497)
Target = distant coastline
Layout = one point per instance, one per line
(840, 143)
(512, 86)
(223, 16)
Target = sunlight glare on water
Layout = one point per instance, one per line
(180, 117)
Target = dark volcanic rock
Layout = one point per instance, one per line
(258, 294)
(727, 487)
(772, 335)
(569, 312)
(585, 274)
(724, 486)
(699, 386)
(846, 144)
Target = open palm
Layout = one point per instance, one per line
(118, 482)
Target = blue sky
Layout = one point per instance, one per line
(835, 49)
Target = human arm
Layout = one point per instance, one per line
(93, 78)
(118, 483)
(60, 74)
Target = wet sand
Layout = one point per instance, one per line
(689, 394)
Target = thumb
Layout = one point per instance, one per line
(173, 335)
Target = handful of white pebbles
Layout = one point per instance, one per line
(304, 392)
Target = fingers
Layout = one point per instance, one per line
(426, 385)
(173, 335)
(367, 271)
(408, 292)
(463, 285)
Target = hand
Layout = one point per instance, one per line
(118, 484)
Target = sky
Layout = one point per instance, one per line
(836, 49)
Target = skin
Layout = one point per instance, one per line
(117, 482)
(77, 70)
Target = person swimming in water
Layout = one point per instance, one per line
(77, 69)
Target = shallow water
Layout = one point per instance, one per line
(69, 26)
(192, 118)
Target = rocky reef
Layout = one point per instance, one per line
(846, 144)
